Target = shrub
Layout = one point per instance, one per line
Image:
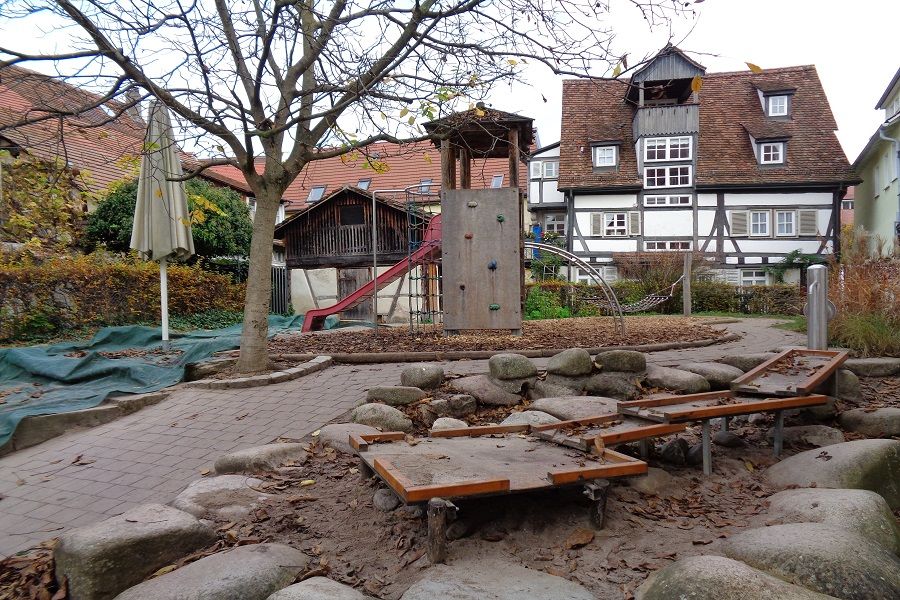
(544, 304)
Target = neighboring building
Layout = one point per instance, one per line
(746, 170)
(877, 202)
(847, 205)
(547, 203)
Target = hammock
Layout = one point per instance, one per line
(642, 305)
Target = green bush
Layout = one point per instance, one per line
(869, 334)
(544, 304)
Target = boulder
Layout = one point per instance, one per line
(260, 458)
(861, 511)
(717, 578)
(530, 417)
(456, 406)
(675, 451)
(719, 375)
(573, 362)
(382, 416)
(243, 573)
(676, 379)
(880, 422)
(614, 384)
(861, 464)
(223, 497)
(657, 482)
(317, 588)
(511, 366)
(746, 362)
(426, 376)
(823, 558)
(821, 412)
(621, 360)
(448, 423)
(848, 386)
(471, 579)
(694, 455)
(385, 500)
(395, 395)
(105, 558)
(481, 388)
(575, 407)
(337, 435)
(546, 389)
(728, 439)
(873, 367)
(514, 386)
(810, 435)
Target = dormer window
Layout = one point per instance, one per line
(771, 153)
(605, 156)
(777, 106)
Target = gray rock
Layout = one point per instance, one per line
(746, 362)
(546, 389)
(514, 386)
(224, 496)
(337, 435)
(102, 559)
(426, 376)
(480, 579)
(385, 500)
(861, 464)
(861, 511)
(484, 391)
(614, 384)
(822, 412)
(811, 435)
(530, 417)
(848, 386)
(881, 422)
(621, 360)
(873, 367)
(728, 439)
(260, 458)
(575, 407)
(676, 379)
(395, 395)
(827, 559)
(718, 578)
(657, 482)
(242, 573)
(511, 366)
(573, 362)
(317, 588)
(718, 375)
(386, 418)
(448, 423)
(695, 455)
(456, 406)
(675, 451)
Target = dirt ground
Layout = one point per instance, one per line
(585, 332)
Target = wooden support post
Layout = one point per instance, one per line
(707, 448)
(644, 445)
(465, 169)
(686, 284)
(778, 436)
(726, 421)
(438, 512)
(365, 471)
(598, 492)
(448, 165)
(514, 157)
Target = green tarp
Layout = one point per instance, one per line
(41, 380)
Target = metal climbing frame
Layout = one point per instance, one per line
(425, 283)
(613, 303)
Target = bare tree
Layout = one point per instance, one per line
(269, 85)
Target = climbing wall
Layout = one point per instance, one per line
(482, 267)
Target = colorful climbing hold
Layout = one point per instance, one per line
(469, 236)
(500, 218)
(492, 265)
(495, 306)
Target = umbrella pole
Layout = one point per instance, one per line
(164, 302)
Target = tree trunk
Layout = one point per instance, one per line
(254, 351)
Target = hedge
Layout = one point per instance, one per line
(72, 292)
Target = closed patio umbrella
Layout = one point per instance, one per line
(162, 230)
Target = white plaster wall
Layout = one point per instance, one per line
(706, 199)
(317, 288)
(764, 200)
(551, 194)
(609, 245)
(778, 246)
(705, 220)
(606, 201)
(658, 223)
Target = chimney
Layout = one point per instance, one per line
(133, 100)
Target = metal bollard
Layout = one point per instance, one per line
(817, 308)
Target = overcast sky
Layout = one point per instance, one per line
(852, 43)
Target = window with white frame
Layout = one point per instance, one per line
(425, 185)
(363, 184)
(535, 169)
(778, 106)
(679, 200)
(754, 277)
(497, 181)
(785, 223)
(847, 204)
(759, 223)
(666, 245)
(771, 153)
(315, 193)
(661, 177)
(551, 169)
(615, 224)
(605, 156)
(673, 148)
(555, 223)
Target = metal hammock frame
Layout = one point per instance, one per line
(646, 303)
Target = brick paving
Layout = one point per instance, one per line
(151, 455)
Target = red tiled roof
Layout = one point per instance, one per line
(595, 110)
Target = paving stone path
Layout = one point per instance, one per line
(91, 474)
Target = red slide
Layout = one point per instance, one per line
(430, 249)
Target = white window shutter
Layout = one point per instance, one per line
(732, 276)
(739, 221)
(634, 223)
(807, 222)
(611, 273)
(596, 223)
(535, 167)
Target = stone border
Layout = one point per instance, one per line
(35, 429)
(314, 364)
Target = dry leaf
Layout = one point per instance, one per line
(205, 472)
(754, 68)
(579, 538)
(163, 571)
(307, 482)
(316, 433)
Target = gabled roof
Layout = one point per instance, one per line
(729, 108)
(887, 91)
